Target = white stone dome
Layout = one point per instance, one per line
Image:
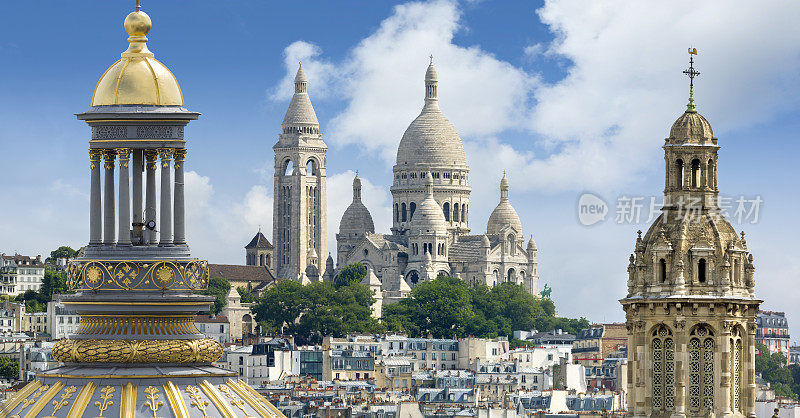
(428, 218)
(431, 139)
(356, 218)
(300, 111)
(504, 214)
(691, 127)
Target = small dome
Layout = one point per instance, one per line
(137, 78)
(428, 217)
(504, 214)
(356, 218)
(431, 139)
(531, 244)
(485, 242)
(691, 127)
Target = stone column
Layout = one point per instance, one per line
(180, 223)
(124, 234)
(165, 231)
(723, 395)
(150, 156)
(108, 198)
(136, 183)
(749, 369)
(95, 205)
(681, 360)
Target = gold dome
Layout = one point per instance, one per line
(137, 77)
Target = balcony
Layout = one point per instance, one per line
(585, 349)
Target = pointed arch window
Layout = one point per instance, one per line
(446, 211)
(701, 370)
(412, 208)
(403, 211)
(663, 356)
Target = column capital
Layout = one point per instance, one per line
(165, 153)
(109, 156)
(95, 155)
(150, 155)
(124, 153)
(180, 154)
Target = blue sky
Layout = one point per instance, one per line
(567, 97)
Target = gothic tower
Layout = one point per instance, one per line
(137, 352)
(431, 143)
(690, 307)
(299, 213)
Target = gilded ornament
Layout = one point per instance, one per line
(164, 275)
(204, 350)
(30, 401)
(93, 275)
(152, 400)
(197, 400)
(106, 396)
(234, 401)
(64, 398)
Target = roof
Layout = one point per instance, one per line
(300, 111)
(504, 214)
(206, 319)
(239, 273)
(259, 241)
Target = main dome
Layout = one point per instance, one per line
(431, 139)
(137, 78)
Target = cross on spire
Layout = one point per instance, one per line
(691, 73)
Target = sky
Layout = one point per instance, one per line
(569, 98)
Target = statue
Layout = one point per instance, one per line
(546, 292)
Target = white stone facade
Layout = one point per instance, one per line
(430, 232)
(299, 213)
(19, 274)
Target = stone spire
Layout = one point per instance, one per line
(356, 188)
(431, 81)
(300, 116)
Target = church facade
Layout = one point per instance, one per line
(690, 309)
(430, 234)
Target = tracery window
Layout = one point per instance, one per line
(663, 357)
(736, 369)
(701, 369)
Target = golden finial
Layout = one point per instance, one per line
(138, 7)
(138, 25)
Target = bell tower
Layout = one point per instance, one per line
(299, 214)
(691, 308)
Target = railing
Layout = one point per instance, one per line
(585, 349)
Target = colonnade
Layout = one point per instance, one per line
(111, 227)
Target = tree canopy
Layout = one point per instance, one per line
(772, 367)
(62, 252)
(219, 288)
(246, 295)
(351, 273)
(312, 311)
(9, 368)
(448, 307)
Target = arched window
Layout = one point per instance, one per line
(696, 173)
(404, 211)
(311, 167)
(412, 277)
(446, 211)
(413, 207)
(463, 213)
(710, 174)
(455, 212)
(396, 212)
(736, 370)
(268, 261)
(701, 270)
(662, 270)
(663, 355)
(679, 181)
(510, 276)
(288, 167)
(512, 247)
(701, 370)
(261, 260)
(366, 252)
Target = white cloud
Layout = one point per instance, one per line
(218, 227)
(340, 194)
(322, 75)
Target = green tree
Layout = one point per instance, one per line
(772, 367)
(441, 307)
(351, 273)
(9, 369)
(219, 288)
(315, 310)
(54, 283)
(62, 252)
(246, 295)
